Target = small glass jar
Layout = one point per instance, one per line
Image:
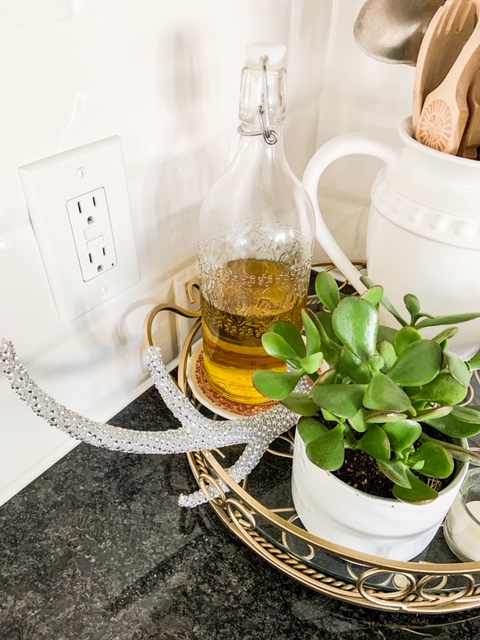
(462, 525)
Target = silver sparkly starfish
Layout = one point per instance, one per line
(196, 433)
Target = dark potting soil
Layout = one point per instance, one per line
(361, 472)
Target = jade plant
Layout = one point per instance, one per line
(390, 392)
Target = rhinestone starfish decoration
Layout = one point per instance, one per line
(196, 433)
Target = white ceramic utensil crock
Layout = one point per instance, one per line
(423, 233)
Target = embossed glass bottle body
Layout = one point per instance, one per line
(256, 241)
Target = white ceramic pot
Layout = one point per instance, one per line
(423, 234)
(334, 511)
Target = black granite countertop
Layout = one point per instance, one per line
(98, 548)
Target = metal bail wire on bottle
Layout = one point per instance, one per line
(269, 135)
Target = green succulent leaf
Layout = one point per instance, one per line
(416, 466)
(329, 417)
(382, 417)
(373, 295)
(312, 363)
(328, 450)
(357, 422)
(276, 385)
(396, 471)
(312, 333)
(450, 319)
(461, 422)
(330, 346)
(405, 337)
(388, 353)
(290, 334)
(445, 335)
(412, 304)
(355, 322)
(402, 434)
(277, 347)
(310, 429)
(463, 455)
(383, 394)
(474, 363)
(376, 362)
(432, 414)
(301, 404)
(327, 377)
(458, 368)
(437, 461)
(443, 389)
(351, 366)
(418, 364)
(324, 320)
(386, 334)
(385, 302)
(467, 414)
(376, 443)
(343, 400)
(327, 291)
(419, 492)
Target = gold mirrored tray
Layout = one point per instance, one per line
(260, 512)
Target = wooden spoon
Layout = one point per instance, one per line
(447, 33)
(471, 138)
(445, 112)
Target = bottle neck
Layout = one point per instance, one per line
(262, 102)
(267, 132)
(255, 151)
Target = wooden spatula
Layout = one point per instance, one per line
(445, 36)
(445, 112)
(471, 138)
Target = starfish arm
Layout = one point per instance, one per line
(197, 432)
(249, 459)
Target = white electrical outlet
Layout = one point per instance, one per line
(80, 211)
(92, 232)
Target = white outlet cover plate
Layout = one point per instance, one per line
(49, 184)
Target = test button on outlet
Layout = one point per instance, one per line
(92, 232)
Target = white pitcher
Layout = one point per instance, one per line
(423, 233)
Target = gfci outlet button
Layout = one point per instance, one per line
(92, 232)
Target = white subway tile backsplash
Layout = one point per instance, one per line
(362, 91)
(27, 311)
(90, 8)
(165, 204)
(17, 12)
(309, 35)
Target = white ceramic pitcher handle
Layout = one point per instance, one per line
(339, 147)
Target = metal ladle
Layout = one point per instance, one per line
(392, 30)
